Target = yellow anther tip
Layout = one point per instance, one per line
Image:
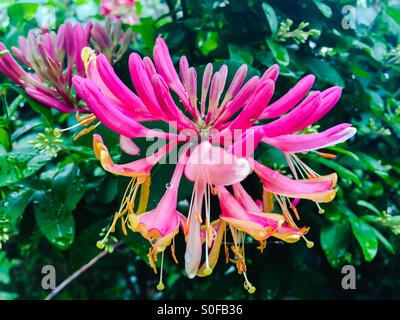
(310, 244)
(100, 245)
(160, 286)
(321, 211)
(207, 271)
(57, 132)
(252, 290)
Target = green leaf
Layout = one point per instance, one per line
(70, 185)
(15, 203)
(4, 295)
(54, 220)
(22, 12)
(240, 54)
(369, 206)
(366, 237)
(271, 17)
(139, 245)
(45, 111)
(323, 70)
(19, 165)
(325, 9)
(5, 267)
(394, 13)
(4, 138)
(210, 42)
(385, 242)
(334, 242)
(279, 52)
(345, 152)
(84, 248)
(342, 171)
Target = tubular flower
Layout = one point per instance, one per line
(219, 133)
(120, 9)
(54, 57)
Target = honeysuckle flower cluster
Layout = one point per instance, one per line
(217, 126)
(50, 59)
(124, 10)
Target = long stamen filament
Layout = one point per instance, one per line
(160, 285)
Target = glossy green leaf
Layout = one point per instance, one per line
(366, 237)
(16, 165)
(334, 242)
(240, 54)
(341, 171)
(279, 52)
(324, 71)
(54, 219)
(271, 17)
(15, 203)
(324, 8)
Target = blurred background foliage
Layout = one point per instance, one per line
(56, 200)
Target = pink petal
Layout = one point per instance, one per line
(258, 225)
(271, 73)
(238, 102)
(251, 112)
(293, 143)
(215, 165)
(298, 119)
(290, 99)
(245, 199)
(128, 146)
(49, 100)
(165, 67)
(319, 190)
(117, 87)
(109, 114)
(133, 169)
(143, 85)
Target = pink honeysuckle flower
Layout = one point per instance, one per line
(222, 130)
(124, 10)
(50, 59)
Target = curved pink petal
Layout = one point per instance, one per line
(136, 168)
(290, 99)
(117, 87)
(163, 222)
(215, 165)
(166, 69)
(293, 143)
(49, 101)
(271, 73)
(319, 190)
(251, 112)
(108, 112)
(297, 119)
(143, 85)
(259, 226)
(128, 146)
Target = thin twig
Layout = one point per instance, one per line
(78, 272)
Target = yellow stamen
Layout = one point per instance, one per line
(173, 251)
(326, 155)
(86, 131)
